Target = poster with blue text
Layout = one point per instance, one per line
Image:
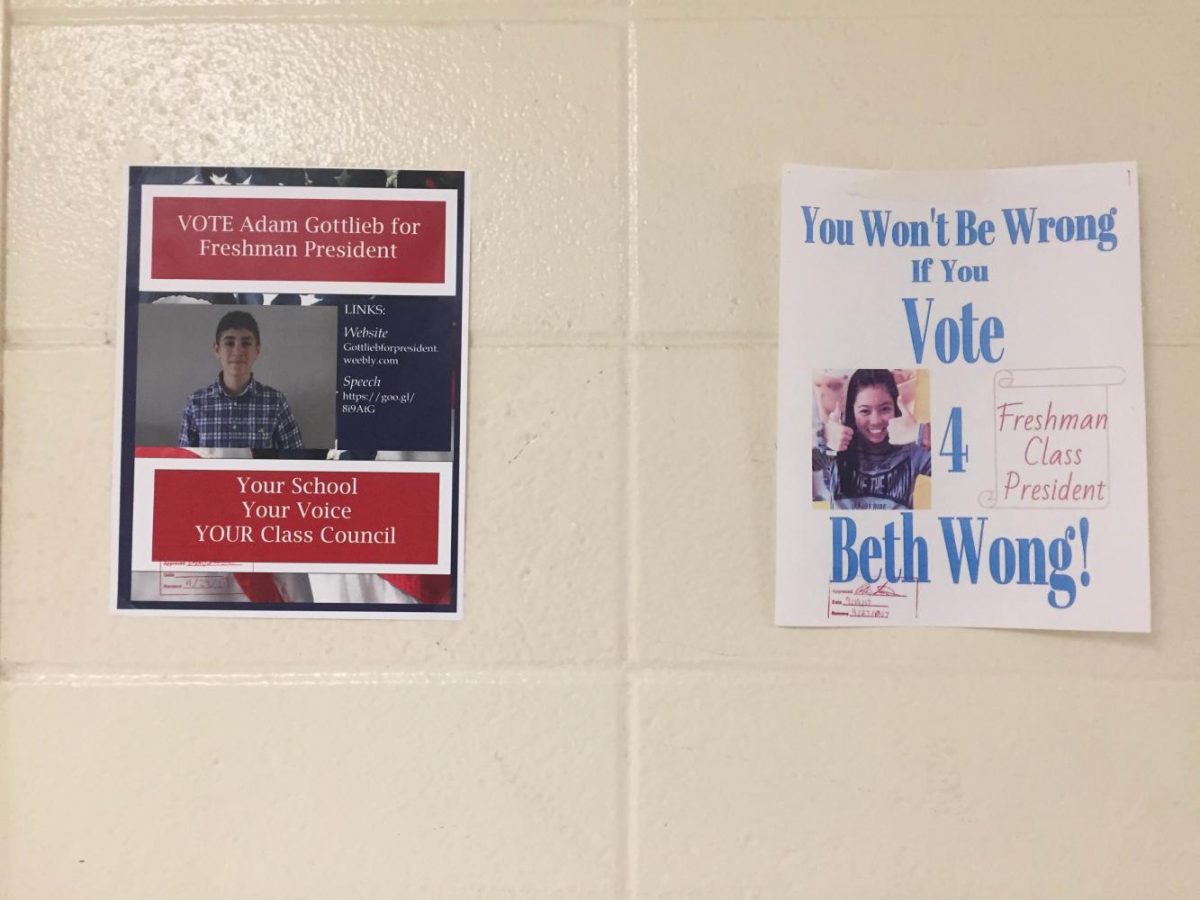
(961, 400)
(292, 367)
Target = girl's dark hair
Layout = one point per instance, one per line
(870, 378)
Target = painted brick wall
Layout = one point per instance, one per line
(616, 717)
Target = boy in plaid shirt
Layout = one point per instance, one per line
(236, 410)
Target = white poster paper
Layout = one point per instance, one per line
(961, 400)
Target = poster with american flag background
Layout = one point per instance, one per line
(291, 397)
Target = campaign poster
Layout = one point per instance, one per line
(291, 400)
(961, 400)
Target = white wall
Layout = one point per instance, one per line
(617, 716)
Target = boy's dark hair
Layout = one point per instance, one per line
(240, 320)
(870, 378)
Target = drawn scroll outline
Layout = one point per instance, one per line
(1075, 376)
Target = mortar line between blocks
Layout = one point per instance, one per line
(5, 103)
(556, 675)
(630, 744)
(628, 851)
(550, 674)
(633, 757)
(478, 13)
(490, 12)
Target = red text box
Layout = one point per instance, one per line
(298, 239)
(295, 516)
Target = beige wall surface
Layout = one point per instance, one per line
(616, 717)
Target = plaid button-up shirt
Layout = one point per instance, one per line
(258, 417)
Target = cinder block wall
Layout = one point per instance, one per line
(616, 717)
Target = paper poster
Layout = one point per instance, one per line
(291, 403)
(961, 400)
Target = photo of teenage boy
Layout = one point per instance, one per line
(860, 466)
(236, 410)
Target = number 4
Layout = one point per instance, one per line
(959, 453)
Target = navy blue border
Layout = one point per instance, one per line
(295, 177)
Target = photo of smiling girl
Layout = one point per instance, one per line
(856, 463)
